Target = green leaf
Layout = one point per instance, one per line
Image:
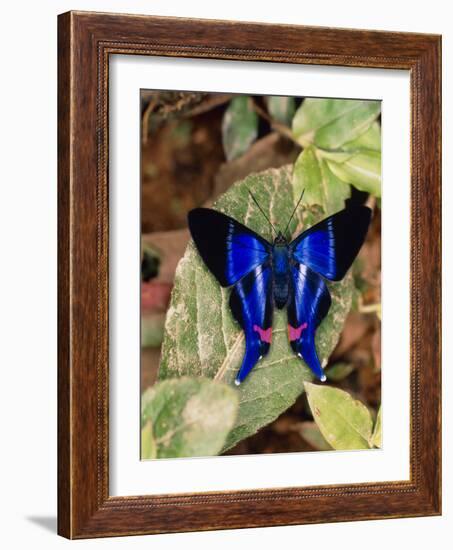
(376, 438)
(330, 123)
(239, 127)
(281, 108)
(346, 138)
(313, 436)
(152, 329)
(321, 185)
(344, 422)
(371, 139)
(361, 169)
(339, 371)
(148, 447)
(201, 336)
(186, 417)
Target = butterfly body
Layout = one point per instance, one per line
(291, 274)
(280, 258)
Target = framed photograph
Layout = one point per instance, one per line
(249, 275)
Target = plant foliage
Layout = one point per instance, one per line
(201, 336)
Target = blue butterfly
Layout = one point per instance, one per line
(263, 275)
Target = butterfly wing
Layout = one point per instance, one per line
(238, 256)
(252, 307)
(327, 249)
(308, 304)
(229, 249)
(330, 246)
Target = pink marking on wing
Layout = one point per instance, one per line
(294, 333)
(265, 335)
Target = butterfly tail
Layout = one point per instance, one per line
(255, 350)
(305, 348)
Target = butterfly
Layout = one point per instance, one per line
(264, 275)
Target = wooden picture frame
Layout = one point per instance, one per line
(85, 41)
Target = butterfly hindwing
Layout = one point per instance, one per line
(252, 306)
(308, 304)
(229, 249)
(330, 246)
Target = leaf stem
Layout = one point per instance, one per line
(277, 126)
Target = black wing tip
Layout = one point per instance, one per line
(354, 235)
(359, 208)
(361, 212)
(198, 210)
(194, 214)
(366, 211)
(201, 216)
(366, 214)
(193, 221)
(198, 217)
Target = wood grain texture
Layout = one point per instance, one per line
(85, 42)
(64, 388)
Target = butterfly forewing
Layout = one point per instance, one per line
(229, 249)
(330, 246)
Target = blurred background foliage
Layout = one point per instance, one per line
(194, 147)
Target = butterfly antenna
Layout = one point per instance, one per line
(262, 211)
(294, 211)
